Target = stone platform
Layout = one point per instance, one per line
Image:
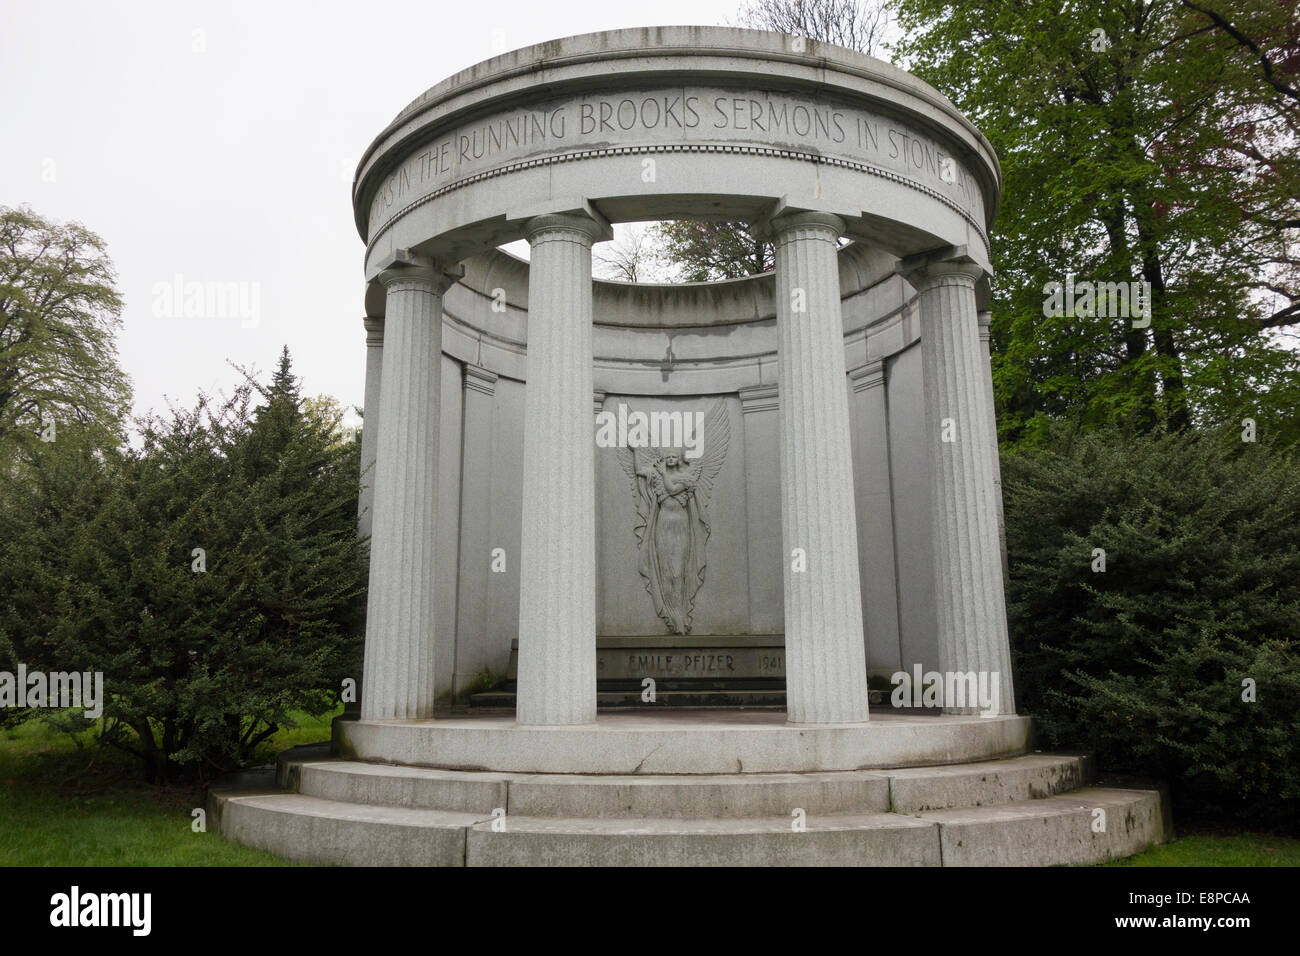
(682, 741)
(682, 788)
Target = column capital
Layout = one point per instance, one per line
(929, 269)
(567, 226)
(407, 266)
(786, 224)
(374, 329)
(983, 318)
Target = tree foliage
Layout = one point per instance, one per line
(856, 24)
(708, 251)
(1144, 663)
(634, 255)
(204, 653)
(1148, 141)
(59, 315)
(1139, 141)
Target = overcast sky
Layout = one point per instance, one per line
(217, 142)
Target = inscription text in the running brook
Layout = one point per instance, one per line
(670, 117)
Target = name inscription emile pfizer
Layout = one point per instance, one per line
(701, 662)
(677, 116)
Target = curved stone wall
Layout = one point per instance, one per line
(723, 341)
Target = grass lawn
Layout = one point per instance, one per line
(65, 806)
(1212, 849)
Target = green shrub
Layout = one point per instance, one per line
(1144, 663)
(98, 572)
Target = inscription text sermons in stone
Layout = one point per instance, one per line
(680, 116)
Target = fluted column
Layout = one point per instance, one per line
(971, 602)
(597, 406)
(557, 563)
(370, 422)
(398, 674)
(475, 651)
(874, 496)
(986, 374)
(826, 676)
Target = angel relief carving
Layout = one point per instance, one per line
(671, 495)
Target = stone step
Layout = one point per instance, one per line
(1048, 832)
(873, 839)
(311, 830)
(423, 788)
(704, 796)
(1054, 830)
(988, 782)
(683, 740)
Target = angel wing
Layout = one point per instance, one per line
(717, 436)
(627, 458)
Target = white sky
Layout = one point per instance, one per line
(234, 164)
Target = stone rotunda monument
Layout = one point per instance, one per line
(779, 490)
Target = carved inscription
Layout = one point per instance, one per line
(686, 665)
(681, 116)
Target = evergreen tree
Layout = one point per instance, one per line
(213, 574)
(1154, 608)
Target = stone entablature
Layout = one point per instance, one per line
(594, 118)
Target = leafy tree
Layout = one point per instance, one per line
(1149, 141)
(859, 25)
(709, 251)
(59, 314)
(205, 653)
(1140, 141)
(633, 256)
(325, 412)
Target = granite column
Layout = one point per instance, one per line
(826, 677)
(398, 673)
(557, 563)
(969, 595)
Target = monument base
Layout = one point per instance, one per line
(688, 788)
(683, 742)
